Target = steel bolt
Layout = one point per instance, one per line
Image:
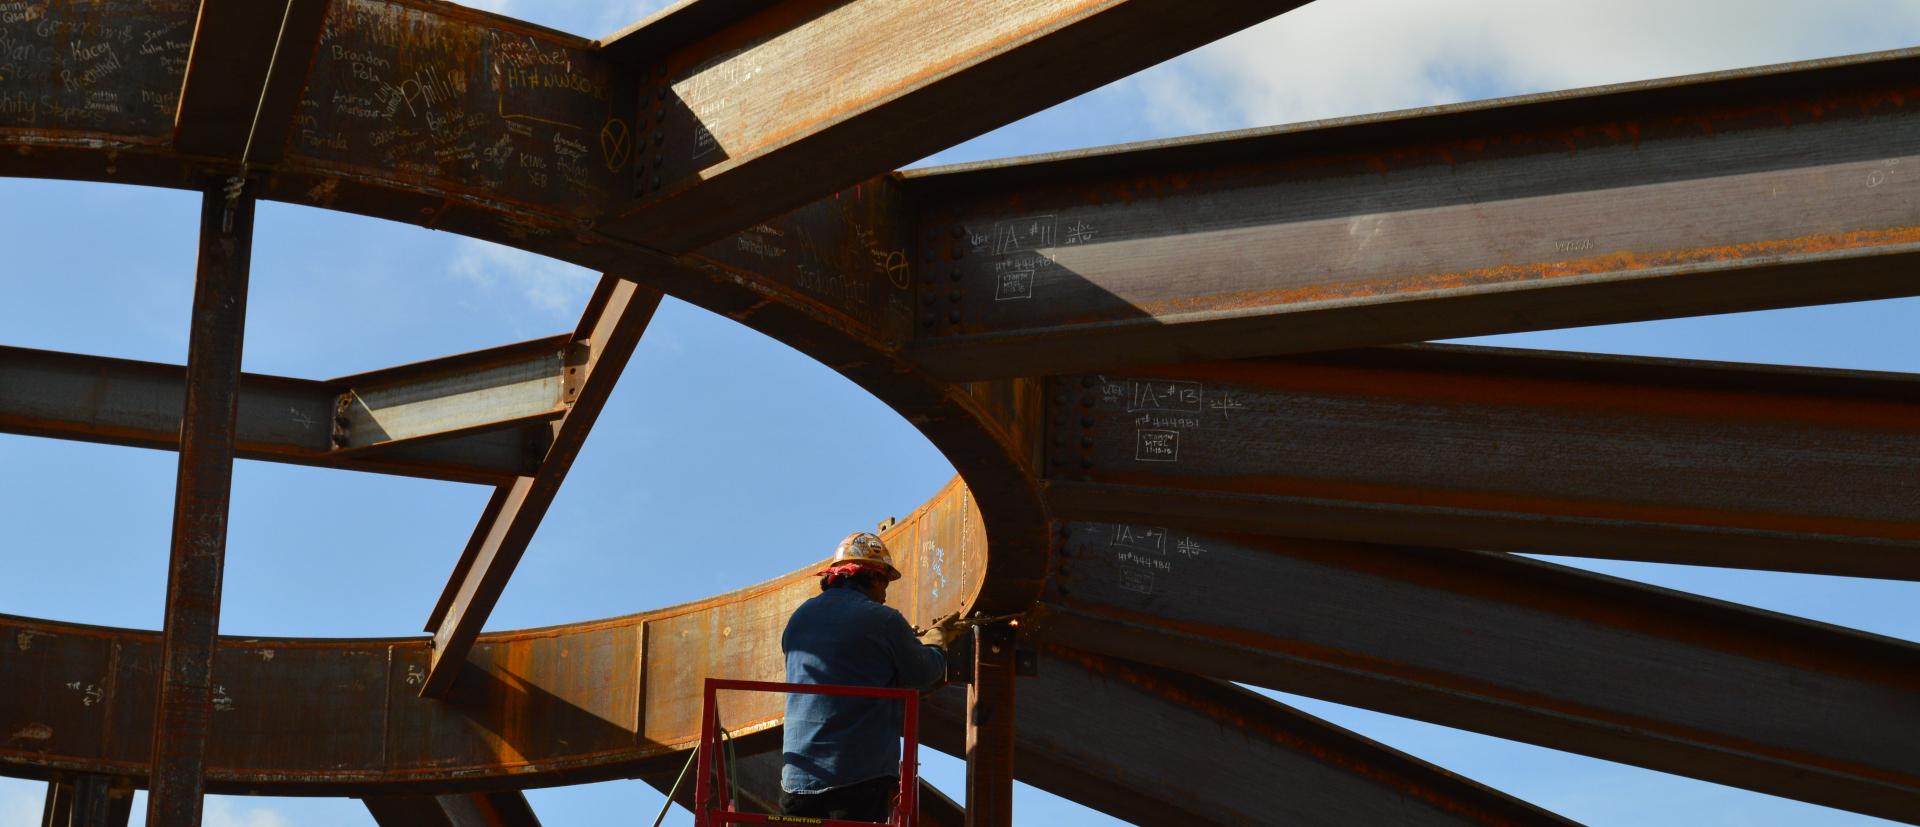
(1086, 442)
(1086, 462)
(1059, 419)
(1059, 439)
(954, 276)
(927, 320)
(954, 297)
(1087, 400)
(661, 93)
(657, 161)
(931, 255)
(659, 116)
(926, 277)
(658, 137)
(656, 182)
(926, 298)
(959, 231)
(1086, 422)
(1059, 460)
(959, 252)
(954, 317)
(1089, 380)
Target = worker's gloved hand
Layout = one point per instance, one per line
(945, 630)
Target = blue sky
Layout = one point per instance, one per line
(725, 458)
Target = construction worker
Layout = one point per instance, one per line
(842, 755)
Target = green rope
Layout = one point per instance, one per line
(676, 786)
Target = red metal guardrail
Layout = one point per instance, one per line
(714, 810)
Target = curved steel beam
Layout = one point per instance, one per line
(604, 699)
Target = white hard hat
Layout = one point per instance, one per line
(863, 547)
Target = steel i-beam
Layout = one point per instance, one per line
(616, 317)
(1511, 647)
(178, 780)
(1775, 186)
(1697, 463)
(772, 105)
(1160, 748)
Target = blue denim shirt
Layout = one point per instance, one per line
(843, 637)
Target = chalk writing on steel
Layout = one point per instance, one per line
(415, 91)
(1156, 445)
(111, 67)
(1164, 395)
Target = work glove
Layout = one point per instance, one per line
(945, 630)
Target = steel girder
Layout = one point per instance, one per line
(1670, 461)
(638, 157)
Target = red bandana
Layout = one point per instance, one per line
(849, 567)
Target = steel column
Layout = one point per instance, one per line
(58, 810)
(990, 727)
(183, 717)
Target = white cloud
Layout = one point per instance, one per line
(222, 811)
(21, 802)
(549, 287)
(1335, 58)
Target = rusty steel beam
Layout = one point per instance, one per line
(244, 77)
(1661, 460)
(1510, 647)
(756, 108)
(489, 809)
(1761, 188)
(592, 701)
(519, 385)
(183, 714)
(1161, 748)
(124, 402)
(990, 716)
(616, 317)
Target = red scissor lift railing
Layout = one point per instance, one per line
(712, 809)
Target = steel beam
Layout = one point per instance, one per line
(1514, 648)
(491, 809)
(245, 76)
(757, 108)
(1761, 188)
(184, 713)
(603, 699)
(1160, 748)
(484, 411)
(616, 317)
(1668, 461)
(519, 385)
